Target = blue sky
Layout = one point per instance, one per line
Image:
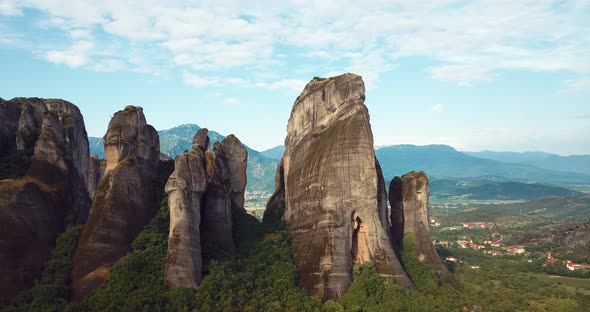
(496, 75)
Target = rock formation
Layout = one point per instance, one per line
(275, 207)
(576, 235)
(205, 190)
(44, 151)
(408, 196)
(332, 205)
(125, 201)
(185, 189)
(96, 169)
(226, 175)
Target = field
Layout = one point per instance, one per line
(572, 284)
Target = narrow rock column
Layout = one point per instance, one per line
(409, 220)
(185, 188)
(124, 202)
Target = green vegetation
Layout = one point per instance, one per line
(262, 277)
(51, 292)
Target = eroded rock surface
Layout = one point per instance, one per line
(275, 207)
(205, 191)
(409, 217)
(124, 202)
(185, 189)
(96, 168)
(42, 184)
(331, 188)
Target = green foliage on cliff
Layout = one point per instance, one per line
(51, 291)
(262, 277)
(136, 282)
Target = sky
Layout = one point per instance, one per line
(476, 75)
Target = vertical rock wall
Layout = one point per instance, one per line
(332, 205)
(124, 202)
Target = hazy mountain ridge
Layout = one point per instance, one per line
(275, 152)
(443, 161)
(572, 163)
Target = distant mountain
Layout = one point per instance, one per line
(443, 161)
(485, 189)
(260, 171)
(574, 163)
(275, 152)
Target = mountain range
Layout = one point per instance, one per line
(438, 161)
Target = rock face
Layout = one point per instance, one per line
(96, 169)
(206, 188)
(568, 235)
(185, 189)
(44, 144)
(574, 237)
(331, 188)
(408, 196)
(275, 207)
(226, 175)
(124, 202)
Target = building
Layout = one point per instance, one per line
(463, 243)
(478, 225)
(572, 266)
(493, 252)
(452, 259)
(515, 250)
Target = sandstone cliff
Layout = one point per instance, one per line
(275, 207)
(205, 190)
(409, 220)
(124, 202)
(185, 189)
(44, 151)
(96, 169)
(226, 175)
(332, 205)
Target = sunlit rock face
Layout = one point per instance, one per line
(185, 189)
(409, 220)
(333, 206)
(125, 200)
(45, 144)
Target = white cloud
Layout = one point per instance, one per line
(75, 56)
(292, 84)
(465, 41)
(577, 85)
(232, 101)
(438, 108)
(9, 7)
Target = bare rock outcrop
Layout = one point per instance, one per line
(185, 189)
(205, 191)
(226, 175)
(275, 207)
(96, 169)
(44, 190)
(331, 188)
(125, 201)
(409, 220)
